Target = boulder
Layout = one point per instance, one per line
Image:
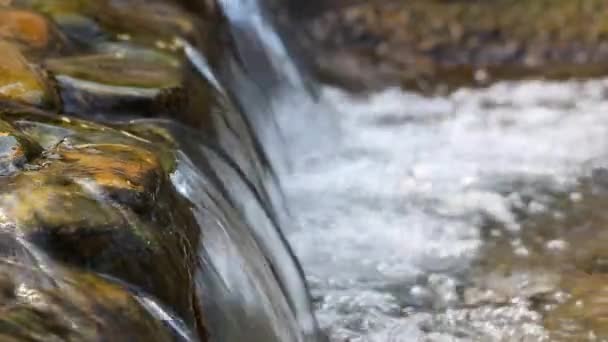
(98, 198)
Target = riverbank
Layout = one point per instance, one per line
(437, 44)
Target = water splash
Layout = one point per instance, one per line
(390, 222)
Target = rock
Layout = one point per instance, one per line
(143, 21)
(20, 81)
(42, 301)
(25, 27)
(16, 149)
(86, 195)
(131, 82)
(99, 198)
(115, 83)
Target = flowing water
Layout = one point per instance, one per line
(396, 215)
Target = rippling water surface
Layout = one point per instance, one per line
(417, 217)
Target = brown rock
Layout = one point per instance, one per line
(25, 27)
(18, 80)
(99, 199)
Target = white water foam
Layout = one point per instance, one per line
(389, 212)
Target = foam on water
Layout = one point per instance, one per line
(389, 212)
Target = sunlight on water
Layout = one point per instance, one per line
(389, 212)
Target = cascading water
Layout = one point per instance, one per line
(252, 287)
(260, 73)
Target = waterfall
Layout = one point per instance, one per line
(252, 286)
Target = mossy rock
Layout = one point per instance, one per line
(99, 198)
(44, 301)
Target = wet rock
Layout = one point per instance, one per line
(16, 149)
(114, 84)
(151, 22)
(27, 28)
(42, 301)
(96, 198)
(130, 82)
(19, 80)
(159, 19)
(46, 135)
(99, 198)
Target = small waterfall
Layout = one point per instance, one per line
(252, 286)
